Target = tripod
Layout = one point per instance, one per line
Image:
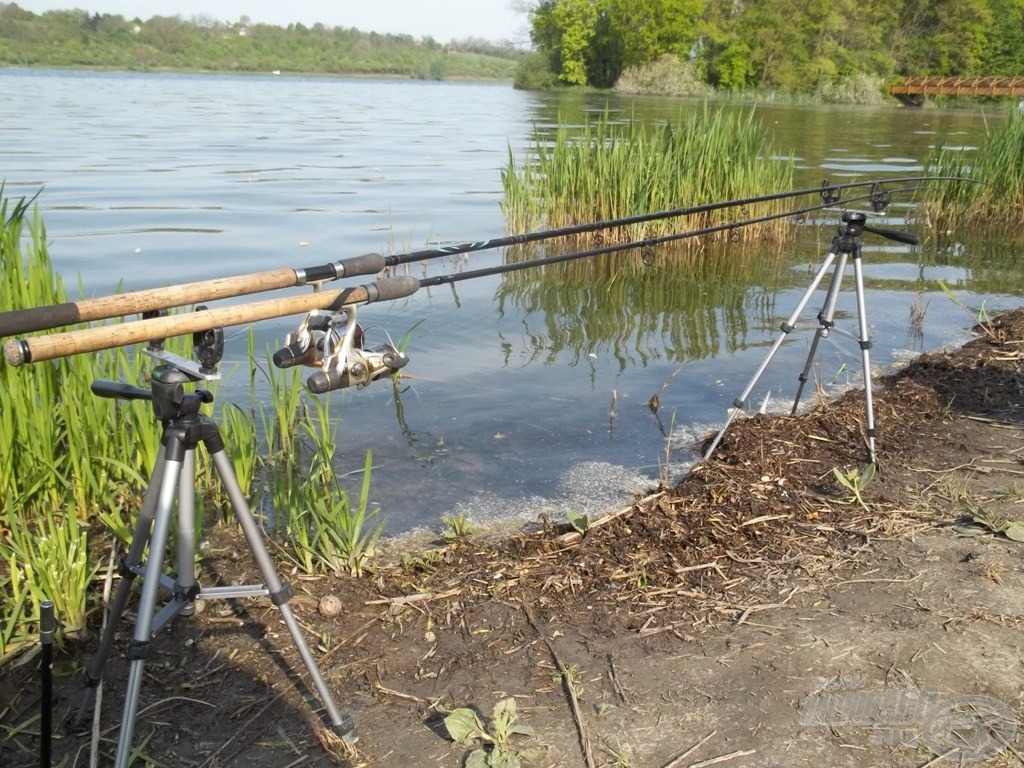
(174, 475)
(845, 245)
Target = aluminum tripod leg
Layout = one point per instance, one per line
(825, 325)
(178, 477)
(865, 347)
(279, 594)
(142, 637)
(130, 563)
(786, 328)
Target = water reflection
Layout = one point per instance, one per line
(674, 308)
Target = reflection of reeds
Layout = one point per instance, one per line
(983, 189)
(608, 170)
(642, 313)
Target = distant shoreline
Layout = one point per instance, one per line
(354, 75)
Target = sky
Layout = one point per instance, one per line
(443, 20)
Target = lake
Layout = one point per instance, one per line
(524, 395)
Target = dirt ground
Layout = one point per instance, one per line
(757, 614)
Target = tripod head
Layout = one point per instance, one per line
(168, 380)
(855, 224)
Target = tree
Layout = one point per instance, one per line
(1004, 52)
(942, 37)
(652, 28)
(577, 22)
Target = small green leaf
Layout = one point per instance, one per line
(1014, 531)
(843, 479)
(477, 759)
(504, 716)
(867, 477)
(463, 725)
(502, 759)
(985, 519)
(578, 521)
(969, 529)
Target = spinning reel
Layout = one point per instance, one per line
(336, 345)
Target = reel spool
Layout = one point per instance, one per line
(336, 345)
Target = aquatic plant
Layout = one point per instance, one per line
(76, 465)
(609, 169)
(979, 188)
(66, 452)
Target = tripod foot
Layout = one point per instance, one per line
(338, 738)
(346, 730)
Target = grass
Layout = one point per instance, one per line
(75, 465)
(981, 189)
(67, 454)
(609, 170)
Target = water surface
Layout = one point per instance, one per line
(526, 393)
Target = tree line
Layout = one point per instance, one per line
(786, 45)
(76, 38)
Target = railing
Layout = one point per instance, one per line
(959, 86)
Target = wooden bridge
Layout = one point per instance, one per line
(914, 88)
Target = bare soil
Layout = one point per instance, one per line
(756, 614)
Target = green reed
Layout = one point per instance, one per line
(67, 454)
(981, 189)
(609, 170)
(75, 466)
(311, 511)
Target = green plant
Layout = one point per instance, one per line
(573, 677)
(533, 74)
(980, 188)
(458, 528)
(918, 311)
(496, 751)
(857, 88)
(855, 481)
(665, 462)
(620, 757)
(665, 76)
(311, 509)
(1011, 529)
(68, 455)
(345, 536)
(609, 169)
(579, 521)
(48, 561)
(1012, 492)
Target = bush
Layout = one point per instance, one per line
(533, 74)
(858, 88)
(667, 76)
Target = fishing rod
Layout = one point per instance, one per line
(335, 345)
(37, 349)
(649, 243)
(32, 319)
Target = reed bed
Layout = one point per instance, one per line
(69, 457)
(609, 170)
(75, 466)
(983, 189)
